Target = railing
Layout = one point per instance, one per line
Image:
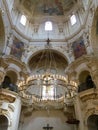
(85, 86)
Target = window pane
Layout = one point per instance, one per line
(73, 19)
(48, 92)
(48, 26)
(23, 20)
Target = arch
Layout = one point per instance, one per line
(83, 75)
(37, 50)
(85, 81)
(12, 75)
(94, 32)
(3, 122)
(92, 122)
(9, 81)
(41, 50)
(82, 67)
(14, 69)
(7, 115)
(2, 34)
(41, 55)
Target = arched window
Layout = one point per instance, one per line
(23, 20)
(3, 122)
(73, 19)
(48, 92)
(48, 26)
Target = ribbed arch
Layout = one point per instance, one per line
(2, 35)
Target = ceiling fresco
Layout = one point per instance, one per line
(48, 7)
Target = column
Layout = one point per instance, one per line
(95, 77)
(15, 115)
(2, 74)
(79, 113)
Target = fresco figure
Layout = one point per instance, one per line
(17, 49)
(53, 7)
(79, 48)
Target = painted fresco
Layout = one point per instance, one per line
(97, 27)
(52, 7)
(47, 7)
(79, 48)
(17, 48)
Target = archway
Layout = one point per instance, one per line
(94, 32)
(86, 81)
(7, 83)
(42, 59)
(12, 75)
(92, 122)
(3, 122)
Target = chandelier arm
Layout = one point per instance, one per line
(54, 61)
(50, 65)
(48, 85)
(40, 60)
(46, 60)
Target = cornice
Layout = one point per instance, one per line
(11, 59)
(84, 59)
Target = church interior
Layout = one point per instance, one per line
(48, 65)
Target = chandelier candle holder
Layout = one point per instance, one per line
(48, 86)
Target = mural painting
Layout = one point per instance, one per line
(79, 48)
(52, 7)
(17, 48)
(48, 7)
(97, 27)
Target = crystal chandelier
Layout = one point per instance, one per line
(48, 86)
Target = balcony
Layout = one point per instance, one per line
(7, 96)
(88, 94)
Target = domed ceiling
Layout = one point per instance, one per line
(47, 7)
